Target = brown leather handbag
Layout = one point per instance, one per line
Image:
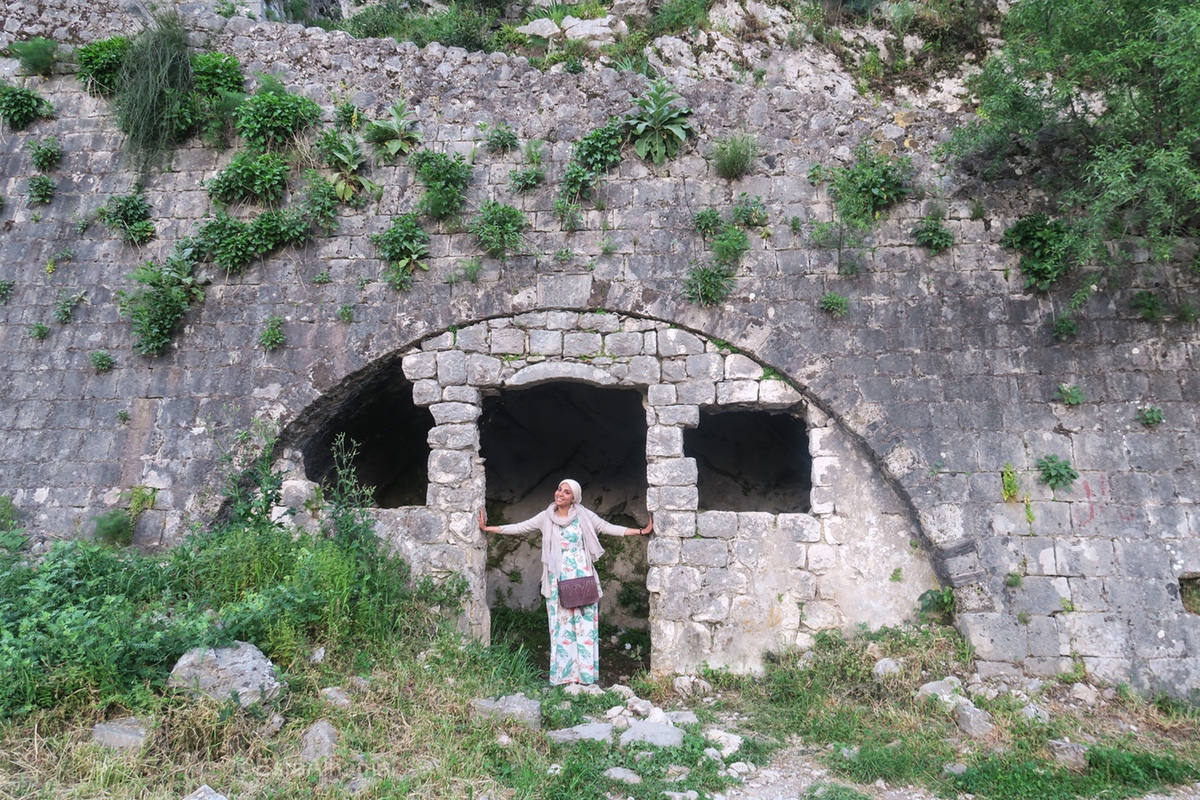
(576, 592)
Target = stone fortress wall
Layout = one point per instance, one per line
(942, 372)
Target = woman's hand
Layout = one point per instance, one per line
(649, 526)
(483, 520)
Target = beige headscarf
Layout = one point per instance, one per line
(576, 492)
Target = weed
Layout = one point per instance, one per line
(38, 331)
(6, 291)
(347, 117)
(729, 246)
(498, 228)
(394, 136)
(826, 790)
(657, 127)
(734, 155)
(1055, 472)
(707, 283)
(1148, 305)
(320, 204)
(123, 416)
(1044, 244)
(749, 212)
(866, 188)
(933, 235)
(403, 247)
(158, 304)
(45, 154)
(707, 222)
(608, 246)
(834, 304)
(20, 107)
(897, 575)
(1067, 604)
(346, 157)
(1023, 617)
(345, 312)
(114, 528)
(445, 178)
(250, 177)
(1069, 394)
(1150, 416)
(1008, 483)
(978, 211)
(321, 278)
(468, 270)
(273, 117)
(568, 213)
(499, 138)
(1065, 328)
(64, 307)
(676, 16)
(101, 360)
(1013, 580)
(592, 157)
(38, 56)
(99, 63)
(40, 189)
(1184, 312)
(1189, 594)
(272, 336)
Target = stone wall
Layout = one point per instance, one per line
(943, 371)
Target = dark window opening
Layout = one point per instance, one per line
(392, 437)
(751, 461)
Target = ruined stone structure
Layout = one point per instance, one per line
(906, 409)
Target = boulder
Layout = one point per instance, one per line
(336, 697)
(623, 775)
(974, 722)
(544, 28)
(1071, 755)
(651, 733)
(691, 686)
(319, 741)
(127, 733)
(727, 743)
(946, 691)
(591, 731)
(515, 707)
(884, 667)
(241, 671)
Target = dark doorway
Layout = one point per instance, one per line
(392, 437)
(751, 461)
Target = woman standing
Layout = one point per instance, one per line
(570, 549)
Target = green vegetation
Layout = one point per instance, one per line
(749, 212)
(344, 155)
(45, 154)
(40, 190)
(445, 178)
(1046, 246)
(498, 229)
(64, 306)
(734, 155)
(273, 117)
(101, 360)
(403, 247)
(499, 138)
(1055, 472)
(272, 336)
(38, 56)
(1014, 580)
(932, 234)
(1148, 305)
(522, 179)
(20, 107)
(393, 136)
(1008, 483)
(869, 186)
(592, 157)
(347, 117)
(128, 216)
(345, 312)
(157, 305)
(707, 222)
(657, 127)
(1069, 394)
(114, 528)
(250, 177)
(38, 331)
(834, 304)
(465, 25)
(6, 291)
(1150, 416)
(99, 64)
(708, 283)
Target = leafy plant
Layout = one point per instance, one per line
(1055, 472)
(345, 312)
(40, 189)
(1045, 247)
(932, 234)
(592, 157)
(707, 222)
(733, 155)
(39, 331)
(273, 117)
(498, 228)
(866, 188)
(1069, 394)
(123, 416)
(19, 107)
(114, 528)
(6, 291)
(45, 154)
(729, 245)
(499, 138)
(1014, 580)
(250, 177)
(834, 304)
(676, 16)
(1008, 483)
(403, 247)
(157, 305)
(99, 64)
(272, 336)
(1150, 416)
(657, 127)
(321, 278)
(708, 283)
(445, 178)
(101, 360)
(347, 117)
(219, 91)
(749, 212)
(38, 56)
(320, 203)
(128, 216)
(346, 157)
(64, 307)
(233, 245)
(468, 270)
(1148, 305)
(395, 135)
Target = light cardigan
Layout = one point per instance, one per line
(551, 528)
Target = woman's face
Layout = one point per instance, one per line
(563, 496)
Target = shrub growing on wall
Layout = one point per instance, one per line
(157, 305)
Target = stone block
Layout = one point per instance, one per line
(451, 367)
(450, 466)
(755, 525)
(644, 370)
(454, 437)
(717, 524)
(472, 338)
(426, 392)
(623, 344)
(564, 291)
(822, 558)
(700, 393)
(507, 341)
(449, 413)
(705, 367)
(677, 524)
(748, 554)
(126, 733)
(995, 637)
(683, 416)
(460, 394)
(739, 367)
(664, 441)
(661, 551)
(676, 342)
(704, 553)
(672, 472)
(1042, 595)
(725, 581)
(1087, 594)
(581, 344)
(674, 498)
(662, 394)
(1105, 635)
(734, 392)
(483, 370)
(777, 393)
(1045, 639)
(545, 343)
(546, 371)
(419, 365)
(1086, 557)
(800, 527)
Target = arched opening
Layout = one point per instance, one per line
(392, 437)
(531, 439)
(751, 461)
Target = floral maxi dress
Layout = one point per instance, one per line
(574, 639)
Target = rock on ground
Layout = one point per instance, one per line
(127, 733)
(515, 707)
(241, 671)
(319, 741)
(206, 792)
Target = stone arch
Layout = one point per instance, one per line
(726, 587)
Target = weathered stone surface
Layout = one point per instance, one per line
(516, 707)
(336, 697)
(589, 731)
(656, 734)
(974, 722)
(127, 733)
(1071, 755)
(623, 775)
(319, 741)
(205, 792)
(241, 671)
(947, 691)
